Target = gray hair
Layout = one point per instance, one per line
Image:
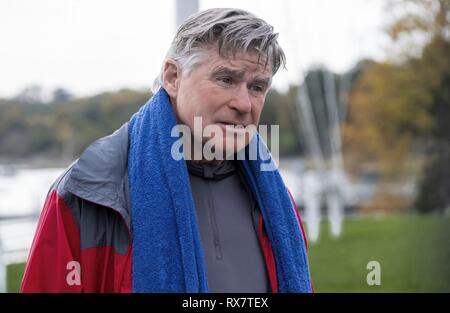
(229, 31)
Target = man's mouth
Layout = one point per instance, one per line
(232, 124)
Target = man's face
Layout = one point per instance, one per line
(224, 91)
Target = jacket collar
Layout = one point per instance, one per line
(211, 171)
(100, 175)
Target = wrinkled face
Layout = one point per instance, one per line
(227, 93)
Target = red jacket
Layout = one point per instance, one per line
(86, 222)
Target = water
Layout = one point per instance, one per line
(22, 197)
(23, 192)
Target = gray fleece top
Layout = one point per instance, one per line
(227, 216)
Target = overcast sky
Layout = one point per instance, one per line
(89, 46)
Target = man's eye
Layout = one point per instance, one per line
(226, 80)
(257, 88)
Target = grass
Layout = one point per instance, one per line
(14, 273)
(413, 252)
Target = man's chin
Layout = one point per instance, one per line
(222, 149)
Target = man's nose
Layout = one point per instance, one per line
(241, 101)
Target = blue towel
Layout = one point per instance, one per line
(167, 250)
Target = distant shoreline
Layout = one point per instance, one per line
(33, 162)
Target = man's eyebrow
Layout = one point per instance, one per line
(223, 70)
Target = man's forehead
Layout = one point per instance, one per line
(241, 63)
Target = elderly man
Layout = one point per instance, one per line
(153, 208)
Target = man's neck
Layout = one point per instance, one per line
(208, 162)
(199, 152)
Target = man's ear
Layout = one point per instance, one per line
(171, 77)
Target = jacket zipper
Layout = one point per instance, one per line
(215, 229)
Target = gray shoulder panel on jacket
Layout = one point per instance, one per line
(100, 174)
(95, 189)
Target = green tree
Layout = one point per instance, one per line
(399, 109)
